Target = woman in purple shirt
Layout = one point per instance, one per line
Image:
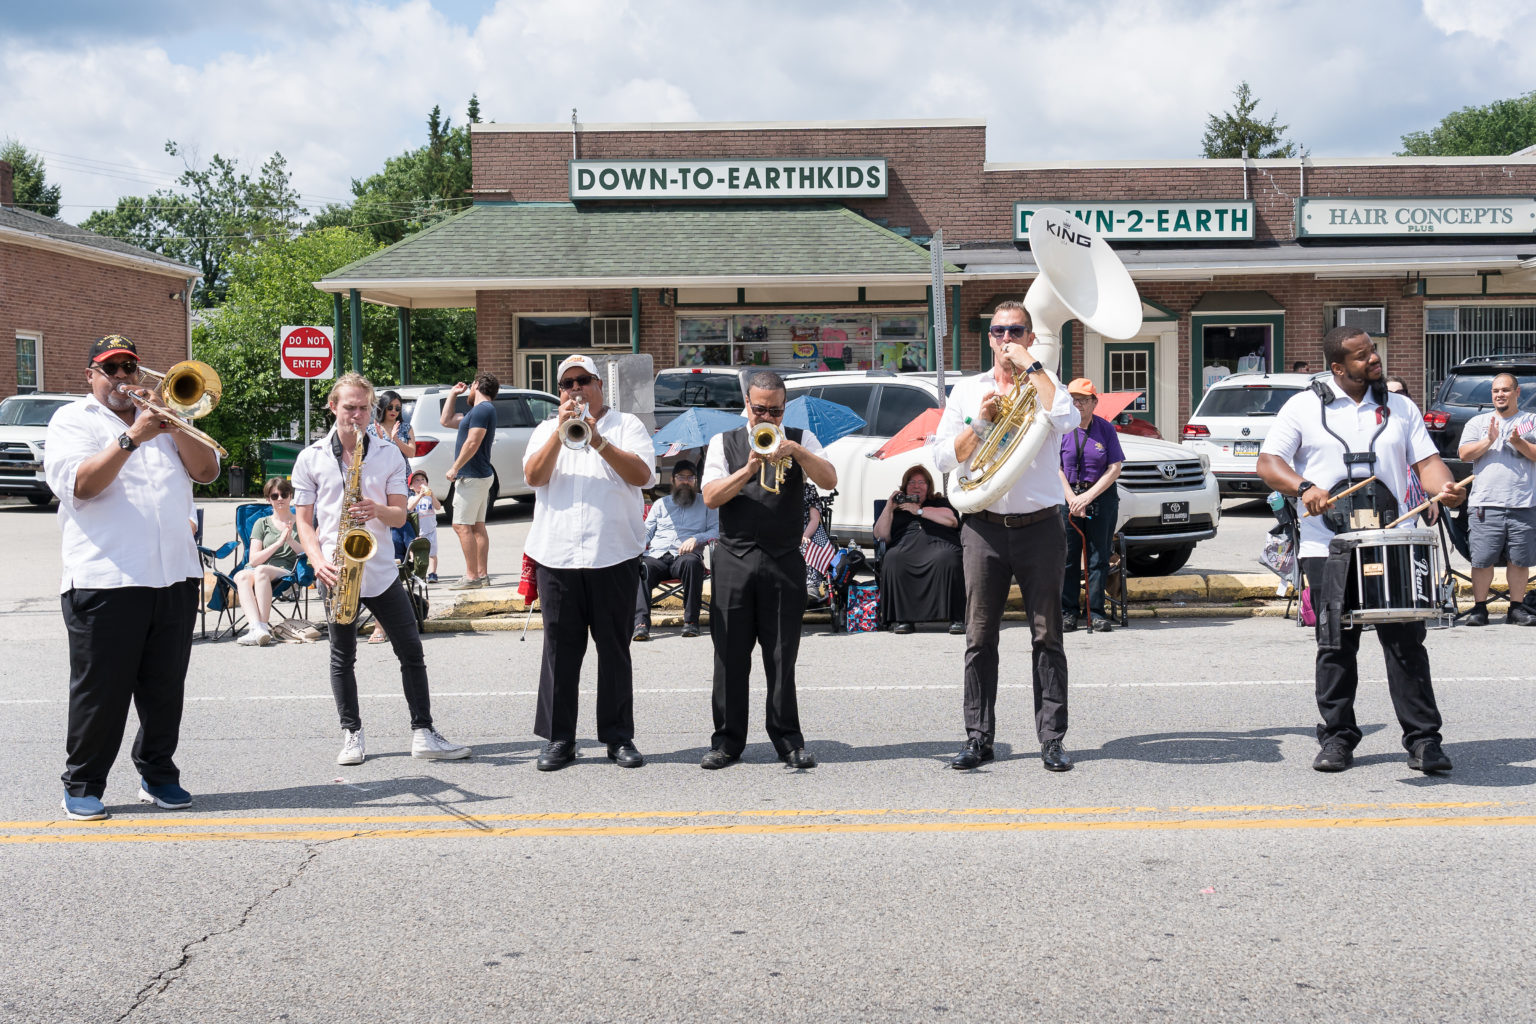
(1090, 463)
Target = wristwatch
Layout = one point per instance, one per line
(1304, 487)
(126, 443)
(1034, 367)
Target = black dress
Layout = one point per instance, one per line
(922, 578)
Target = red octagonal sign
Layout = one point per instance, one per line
(308, 353)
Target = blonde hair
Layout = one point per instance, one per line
(350, 379)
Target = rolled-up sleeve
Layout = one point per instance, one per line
(1062, 415)
(942, 447)
(305, 490)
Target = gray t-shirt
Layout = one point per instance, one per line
(1505, 478)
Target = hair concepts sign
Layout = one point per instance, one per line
(787, 178)
(1149, 220)
(1366, 216)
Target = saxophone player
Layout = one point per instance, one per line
(320, 480)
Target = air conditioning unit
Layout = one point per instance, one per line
(610, 332)
(1370, 319)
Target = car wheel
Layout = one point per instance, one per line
(40, 500)
(1158, 563)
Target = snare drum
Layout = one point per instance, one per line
(1393, 576)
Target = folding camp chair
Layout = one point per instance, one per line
(218, 593)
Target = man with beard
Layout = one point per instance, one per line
(678, 529)
(1501, 445)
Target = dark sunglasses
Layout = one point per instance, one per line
(392, 408)
(774, 411)
(128, 366)
(577, 382)
(1008, 331)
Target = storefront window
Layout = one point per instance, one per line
(1243, 348)
(554, 332)
(810, 341)
(1131, 370)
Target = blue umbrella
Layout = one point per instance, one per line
(694, 428)
(827, 420)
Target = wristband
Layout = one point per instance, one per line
(602, 447)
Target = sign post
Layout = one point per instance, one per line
(307, 353)
(936, 267)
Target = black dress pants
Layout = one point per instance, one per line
(689, 568)
(756, 598)
(127, 645)
(576, 602)
(996, 555)
(394, 612)
(1338, 677)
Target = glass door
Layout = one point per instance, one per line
(1132, 366)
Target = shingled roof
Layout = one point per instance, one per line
(47, 229)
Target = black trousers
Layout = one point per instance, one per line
(394, 612)
(1338, 677)
(1098, 531)
(756, 599)
(576, 602)
(127, 645)
(996, 555)
(689, 568)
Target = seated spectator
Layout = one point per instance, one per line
(677, 530)
(921, 577)
(1091, 460)
(272, 556)
(818, 513)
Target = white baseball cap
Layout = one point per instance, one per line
(585, 362)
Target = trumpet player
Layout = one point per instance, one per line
(131, 572)
(1020, 536)
(757, 595)
(319, 483)
(586, 467)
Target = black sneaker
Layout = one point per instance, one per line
(1334, 757)
(1519, 615)
(690, 629)
(641, 634)
(1478, 616)
(1428, 757)
(1069, 623)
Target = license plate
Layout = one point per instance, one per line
(1175, 512)
(1246, 448)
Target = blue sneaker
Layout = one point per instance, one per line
(168, 795)
(84, 808)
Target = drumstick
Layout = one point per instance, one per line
(1424, 505)
(1344, 494)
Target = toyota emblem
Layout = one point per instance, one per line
(1168, 469)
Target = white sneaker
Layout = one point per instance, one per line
(351, 747)
(429, 745)
(254, 637)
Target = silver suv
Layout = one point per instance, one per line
(23, 437)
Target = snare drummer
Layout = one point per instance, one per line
(1304, 456)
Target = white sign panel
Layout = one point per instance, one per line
(1149, 220)
(1376, 217)
(307, 353)
(786, 178)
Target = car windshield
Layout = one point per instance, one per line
(699, 390)
(1476, 388)
(1248, 400)
(30, 412)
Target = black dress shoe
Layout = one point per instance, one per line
(1102, 626)
(690, 629)
(903, 628)
(974, 754)
(1334, 757)
(1478, 616)
(718, 758)
(957, 628)
(1055, 759)
(1428, 757)
(1069, 623)
(641, 634)
(556, 755)
(625, 755)
(798, 758)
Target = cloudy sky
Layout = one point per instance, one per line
(97, 86)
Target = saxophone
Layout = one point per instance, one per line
(354, 546)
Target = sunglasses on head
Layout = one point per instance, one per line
(112, 369)
(573, 383)
(768, 410)
(1008, 330)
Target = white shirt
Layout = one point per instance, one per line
(1039, 486)
(426, 519)
(318, 481)
(714, 460)
(587, 517)
(1297, 437)
(135, 532)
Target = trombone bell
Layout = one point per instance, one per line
(190, 388)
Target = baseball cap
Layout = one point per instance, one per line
(112, 345)
(584, 362)
(1082, 386)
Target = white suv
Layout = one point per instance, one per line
(518, 411)
(1231, 422)
(1168, 498)
(23, 438)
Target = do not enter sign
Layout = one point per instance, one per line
(308, 353)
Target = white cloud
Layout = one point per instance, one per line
(1487, 19)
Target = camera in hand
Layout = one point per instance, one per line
(903, 499)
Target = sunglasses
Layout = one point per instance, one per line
(577, 382)
(774, 411)
(1008, 331)
(392, 408)
(127, 366)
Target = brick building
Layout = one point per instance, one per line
(61, 287)
(805, 244)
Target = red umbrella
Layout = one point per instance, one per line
(913, 435)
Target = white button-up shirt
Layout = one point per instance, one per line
(134, 533)
(1038, 486)
(318, 481)
(587, 517)
(1297, 437)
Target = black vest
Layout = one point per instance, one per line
(756, 518)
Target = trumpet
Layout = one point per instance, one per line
(574, 432)
(765, 440)
(187, 391)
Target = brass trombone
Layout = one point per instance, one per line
(187, 391)
(765, 440)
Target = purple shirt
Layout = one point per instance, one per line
(1100, 449)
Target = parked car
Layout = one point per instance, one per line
(681, 388)
(518, 411)
(1467, 391)
(23, 437)
(1169, 500)
(1231, 422)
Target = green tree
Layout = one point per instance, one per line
(420, 186)
(29, 179)
(1237, 130)
(214, 212)
(1496, 129)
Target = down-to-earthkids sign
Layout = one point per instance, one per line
(786, 178)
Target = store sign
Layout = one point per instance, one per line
(1360, 216)
(1149, 220)
(789, 178)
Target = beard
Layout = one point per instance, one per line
(118, 402)
(683, 494)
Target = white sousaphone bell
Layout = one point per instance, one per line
(1080, 279)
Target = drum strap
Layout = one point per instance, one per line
(1339, 521)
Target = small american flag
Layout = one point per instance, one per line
(819, 556)
(1416, 495)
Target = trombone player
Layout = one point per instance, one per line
(1019, 536)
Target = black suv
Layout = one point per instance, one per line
(1466, 392)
